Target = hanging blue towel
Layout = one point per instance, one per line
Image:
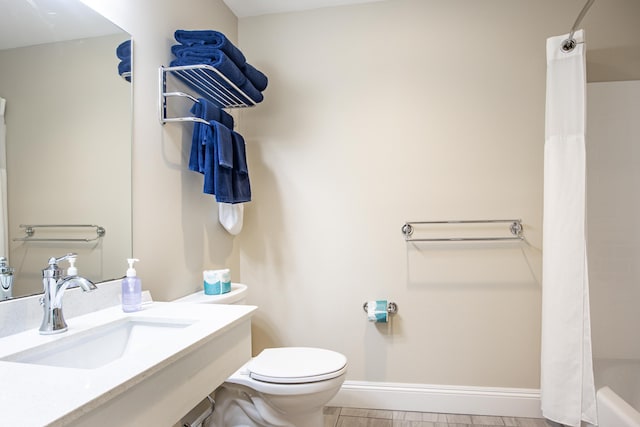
(205, 110)
(241, 184)
(218, 174)
(211, 38)
(226, 174)
(223, 64)
(209, 168)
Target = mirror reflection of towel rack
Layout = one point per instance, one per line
(515, 229)
(30, 231)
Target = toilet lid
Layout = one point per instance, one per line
(290, 365)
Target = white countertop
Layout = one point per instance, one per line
(36, 395)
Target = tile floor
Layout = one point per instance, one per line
(350, 417)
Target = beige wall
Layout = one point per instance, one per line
(175, 228)
(375, 114)
(394, 111)
(378, 114)
(613, 40)
(614, 135)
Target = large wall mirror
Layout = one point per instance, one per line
(67, 141)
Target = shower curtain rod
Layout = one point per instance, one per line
(570, 43)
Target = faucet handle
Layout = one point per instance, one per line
(55, 261)
(5, 268)
(53, 270)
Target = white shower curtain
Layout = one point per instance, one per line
(568, 392)
(4, 226)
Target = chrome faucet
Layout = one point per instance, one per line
(6, 279)
(54, 286)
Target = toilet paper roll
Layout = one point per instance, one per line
(217, 282)
(377, 311)
(211, 282)
(225, 280)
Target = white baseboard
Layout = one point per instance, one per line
(506, 402)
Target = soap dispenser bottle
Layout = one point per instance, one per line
(131, 289)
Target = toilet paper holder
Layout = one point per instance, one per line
(392, 307)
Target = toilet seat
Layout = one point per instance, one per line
(296, 365)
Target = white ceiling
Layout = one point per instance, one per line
(32, 22)
(244, 8)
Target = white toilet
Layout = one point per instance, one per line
(285, 386)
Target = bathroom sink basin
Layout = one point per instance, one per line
(101, 345)
(164, 358)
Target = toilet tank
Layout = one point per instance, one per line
(238, 295)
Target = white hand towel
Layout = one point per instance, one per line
(231, 216)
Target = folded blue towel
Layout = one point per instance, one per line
(180, 50)
(205, 110)
(208, 52)
(216, 58)
(223, 64)
(123, 51)
(212, 38)
(255, 76)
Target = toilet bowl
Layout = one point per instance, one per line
(283, 387)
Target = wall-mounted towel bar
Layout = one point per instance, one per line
(200, 79)
(30, 232)
(515, 229)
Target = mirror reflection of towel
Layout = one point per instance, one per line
(123, 52)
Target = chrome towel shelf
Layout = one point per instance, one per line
(30, 232)
(206, 82)
(514, 228)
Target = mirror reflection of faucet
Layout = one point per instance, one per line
(6, 280)
(55, 284)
